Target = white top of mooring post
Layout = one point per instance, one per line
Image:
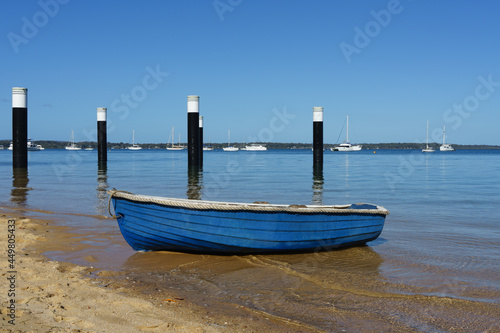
(318, 113)
(19, 97)
(101, 114)
(201, 121)
(193, 103)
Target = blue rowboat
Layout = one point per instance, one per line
(151, 223)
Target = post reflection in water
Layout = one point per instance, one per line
(443, 166)
(317, 187)
(102, 187)
(347, 169)
(20, 187)
(194, 182)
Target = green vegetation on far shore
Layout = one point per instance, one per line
(47, 144)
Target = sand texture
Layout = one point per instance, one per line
(52, 296)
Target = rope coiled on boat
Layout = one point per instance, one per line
(213, 205)
(111, 193)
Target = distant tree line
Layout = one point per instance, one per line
(48, 144)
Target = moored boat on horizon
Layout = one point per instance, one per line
(134, 145)
(428, 149)
(346, 145)
(445, 146)
(72, 145)
(229, 147)
(255, 147)
(171, 140)
(30, 146)
(34, 147)
(209, 147)
(151, 223)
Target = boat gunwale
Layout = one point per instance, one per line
(253, 207)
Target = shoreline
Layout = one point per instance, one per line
(57, 296)
(55, 145)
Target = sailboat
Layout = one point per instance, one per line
(346, 146)
(173, 147)
(427, 148)
(209, 147)
(445, 146)
(229, 147)
(72, 145)
(134, 146)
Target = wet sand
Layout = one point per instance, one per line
(55, 296)
(114, 289)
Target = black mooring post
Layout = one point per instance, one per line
(318, 136)
(201, 140)
(193, 130)
(102, 137)
(19, 127)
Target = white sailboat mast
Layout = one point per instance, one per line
(444, 130)
(427, 139)
(347, 133)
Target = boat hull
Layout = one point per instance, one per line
(255, 148)
(347, 146)
(446, 147)
(150, 226)
(351, 148)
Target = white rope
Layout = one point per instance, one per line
(232, 206)
(111, 193)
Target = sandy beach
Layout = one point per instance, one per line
(53, 296)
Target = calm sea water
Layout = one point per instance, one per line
(442, 238)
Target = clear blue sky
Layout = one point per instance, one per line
(259, 68)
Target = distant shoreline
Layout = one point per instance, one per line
(51, 144)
